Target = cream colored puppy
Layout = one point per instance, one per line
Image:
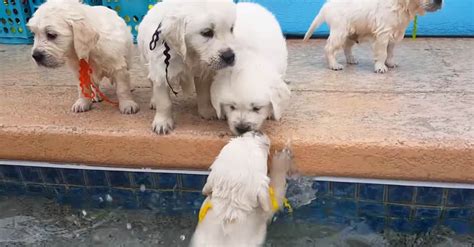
(239, 206)
(66, 31)
(354, 21)
(183, 42)
(253, 89)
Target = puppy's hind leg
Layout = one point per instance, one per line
(161, 101)
(350, 59)
(334, 43)
(124, 94)
(380, 53)
(390, 61)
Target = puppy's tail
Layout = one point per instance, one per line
(318, 20)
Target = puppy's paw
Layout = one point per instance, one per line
(128, 107)
(336, 66)
(352, 60)
(97, 99)
(282, 161)
(391, 63)
(81, 105)
(162, 125)
(380, 68)
(207, 113)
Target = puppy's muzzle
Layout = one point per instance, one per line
(228, 56)
(434, 5)
(38, 56)
(242, 128)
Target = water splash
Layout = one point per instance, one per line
(300, 190)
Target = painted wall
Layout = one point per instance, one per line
(456, 18)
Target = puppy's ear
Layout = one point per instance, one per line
(264, 200)
(279, 98)
(85, 37)
(207, 190)
(174, 30)
(220, 110)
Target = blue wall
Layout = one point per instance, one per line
(456, 18)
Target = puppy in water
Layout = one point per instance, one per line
(253, 90)
(183, 43)
(241, 197)
(354, 21)
(67, 31)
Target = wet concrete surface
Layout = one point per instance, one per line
(419, 116)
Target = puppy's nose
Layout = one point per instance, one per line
(38, 56)
(242, 128)
(438, 2)
(228, 56)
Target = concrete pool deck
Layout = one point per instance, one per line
(414, 123)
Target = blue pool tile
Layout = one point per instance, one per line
(400, 194)
(321, 187)
(31, 174)
(193, 182)
(166, 180)
(373, 192)
(124, 198)
(398, 211)
(35, 189)
(460, 213)
(424, 225)
(10, 173)
(372, 209)
(460, 226)
(193, 200)
(429, 196)
(12, 188)
(376, 224)
(76, 196)
(96, 178)
(143, 178)
(461, 197)
(56, 192)
(119, 179)
(344, 189)
(427, 213)
(345, 208)
(74, 176)
(159, 201)
(52, 176)
(401, 225)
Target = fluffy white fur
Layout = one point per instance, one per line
(194, 56)
(67, 31)
(354, 21)
(253, 89)
(238, 188)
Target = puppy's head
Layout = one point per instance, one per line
(247, 96)
(201, 31)
(61, 31)
(238, 181)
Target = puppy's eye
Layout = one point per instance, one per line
(232, 29)
(256, 109)
(208, 33)
(51, 36)
(232, 107)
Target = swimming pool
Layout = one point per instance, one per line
(84, 206)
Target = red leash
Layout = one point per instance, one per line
(85, 82)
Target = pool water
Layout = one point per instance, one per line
(38, 221)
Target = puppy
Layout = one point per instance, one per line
(184, 42)
(239, 206)
(253, 90)
(354, 21)
(66, 31)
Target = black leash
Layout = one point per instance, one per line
(153, 43)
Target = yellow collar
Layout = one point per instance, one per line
(208, 205)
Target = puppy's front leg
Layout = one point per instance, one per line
(390, 61)
(281, 164)
(82, 104)
(126, 103)
(161, 101)
(350, 59)
(380, 53)
(334, 43)
(203, 91)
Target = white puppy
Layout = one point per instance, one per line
(239, 203)
(354, 21)
(67, 31)
(253, 90)
(194, 37)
